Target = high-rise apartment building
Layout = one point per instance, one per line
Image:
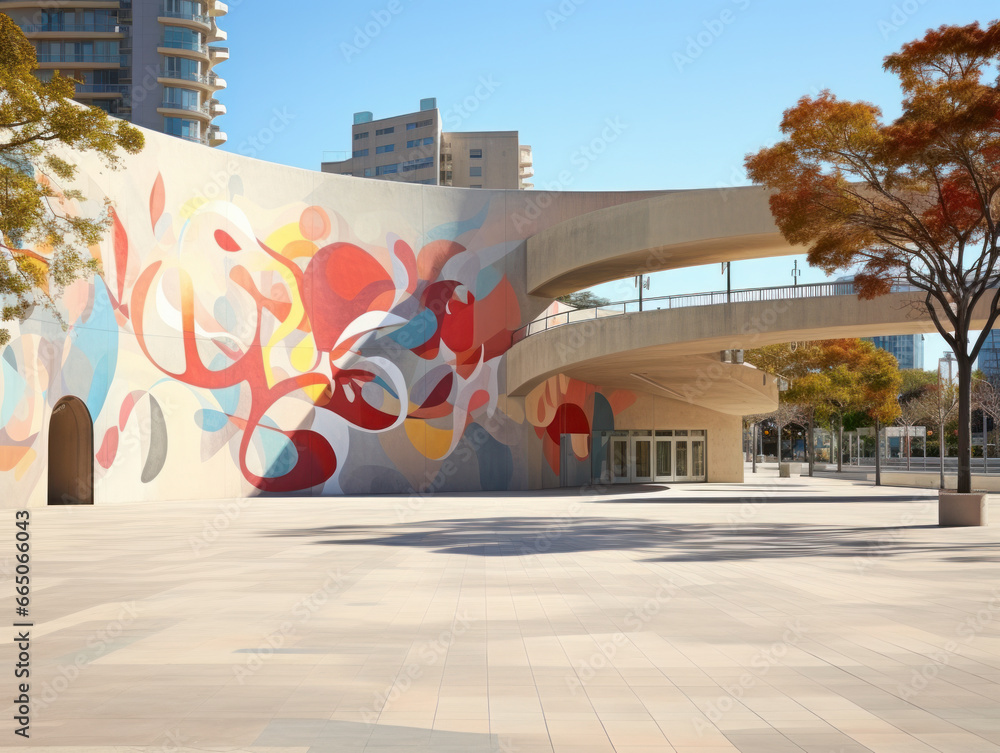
(146, 61)
(412, 148)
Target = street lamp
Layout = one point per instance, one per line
(948, 358)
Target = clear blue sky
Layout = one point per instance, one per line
(694, 85)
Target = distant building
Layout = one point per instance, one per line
(146, 61)
(989, 356)
(412, 148)
(908, 349)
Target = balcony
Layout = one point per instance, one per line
(218, 54)
(524, 156)
(191, 20)
(172, 44)
(95, 89)
(525, 172)
(87, 59)
(216, 82)
(217, 34)
(169, 108)
(216, 107)
(194, 78)
(217, 137)
(217, 8)
(64, 29)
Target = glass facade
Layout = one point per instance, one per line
(186, 129)
(908, 349)
(989, 356)
(182, 39)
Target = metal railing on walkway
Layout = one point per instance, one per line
(685, 300)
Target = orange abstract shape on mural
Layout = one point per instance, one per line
(11, 455)
(157, 200)
(407, 260)
(314, 224)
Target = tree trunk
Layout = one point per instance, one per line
(941, 444)
(811, 441)
(840, 445)
(964, 423)
(878, 455)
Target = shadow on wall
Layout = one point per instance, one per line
(659, 542)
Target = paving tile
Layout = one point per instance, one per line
(779, 631)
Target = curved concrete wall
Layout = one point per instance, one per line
(669, 231)
(262, 329)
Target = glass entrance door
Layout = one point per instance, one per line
(621, 471)
(664, 459)
(642, 459)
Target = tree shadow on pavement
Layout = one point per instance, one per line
(520, 536)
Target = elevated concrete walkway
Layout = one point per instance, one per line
(661, 345)
(669, 231)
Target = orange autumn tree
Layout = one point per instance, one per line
(912, 201)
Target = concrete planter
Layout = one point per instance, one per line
(787, 470)
(955, 509)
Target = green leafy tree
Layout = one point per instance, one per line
(914, 200)
(830, 379)
(40, 131)
(583, 299)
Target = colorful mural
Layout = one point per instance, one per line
(312, 352)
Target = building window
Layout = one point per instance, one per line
(187, 129)
(418, 164)
(475, 154)
(476, 172)
(418, 124)
(368, 172)
(359, 136)
(420, 142)
(182, 68)
(182, 8)
(477, 185)
(78, 52)
(385, 131)
(180, 99)
(181, 39)
(387, 169)
(360, 153)
(385, 148)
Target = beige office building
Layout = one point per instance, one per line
(412, 148)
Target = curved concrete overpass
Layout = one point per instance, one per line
(668, 231)
(678, 347)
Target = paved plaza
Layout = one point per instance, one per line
(781, 615)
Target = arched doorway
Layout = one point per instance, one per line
(71, 454)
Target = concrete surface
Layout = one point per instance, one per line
(781, 615)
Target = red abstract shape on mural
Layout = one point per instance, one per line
(225, 241)
(569, 419)
(341, 282)
(109, 448)
(120, 240)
